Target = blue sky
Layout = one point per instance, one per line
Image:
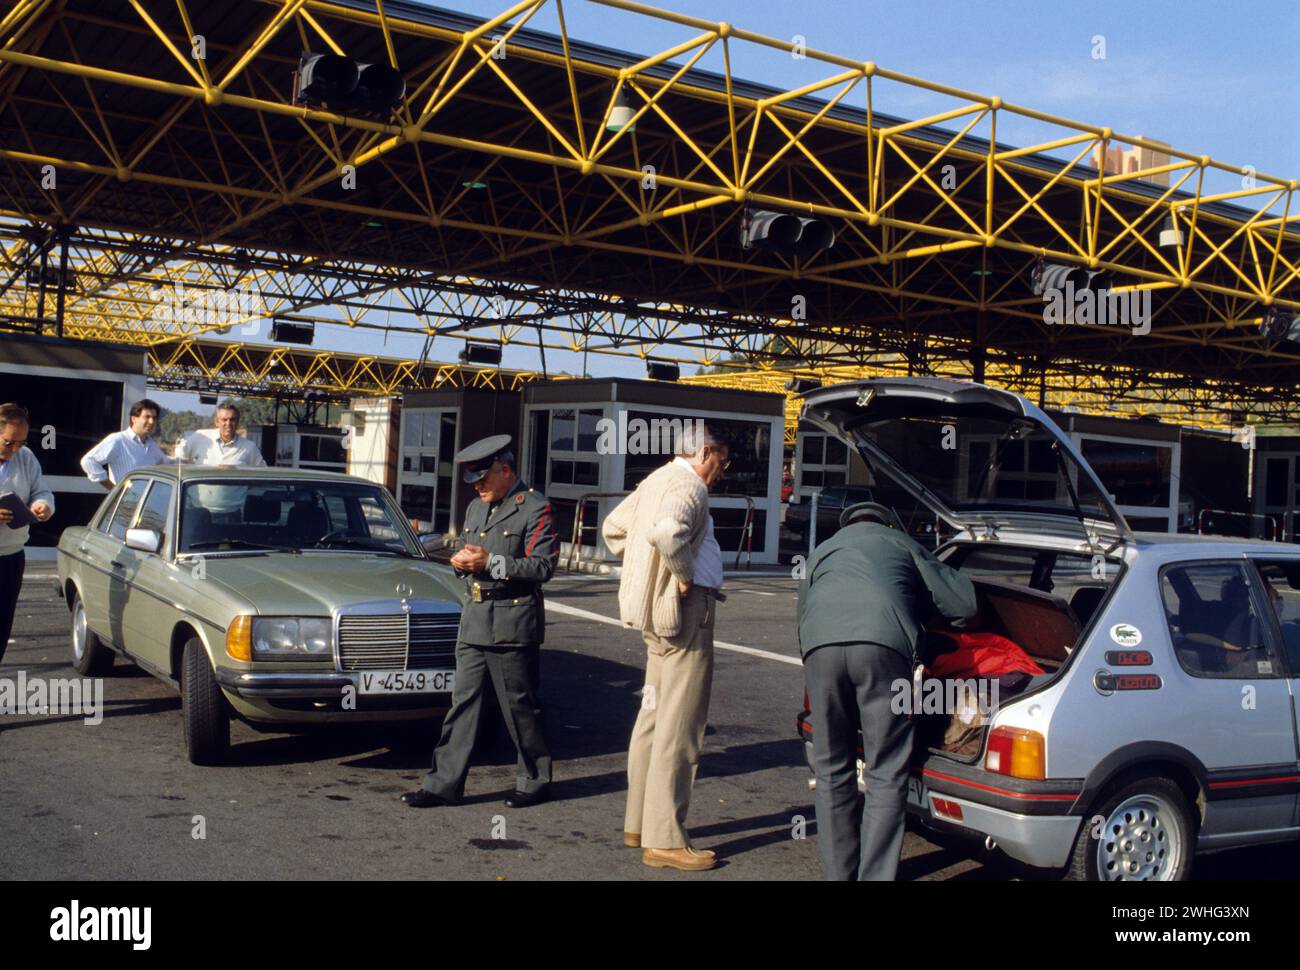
(1207, 77)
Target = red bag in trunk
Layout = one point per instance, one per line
(982, 655)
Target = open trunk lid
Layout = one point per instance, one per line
(981, 459)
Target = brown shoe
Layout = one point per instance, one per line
(632, 840)
(686, 859)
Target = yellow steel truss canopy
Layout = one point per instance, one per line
(1164, 397)
(284, 372)
(497, 200)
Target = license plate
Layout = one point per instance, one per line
(407, 681)
(916, 792)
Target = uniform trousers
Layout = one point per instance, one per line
(11, 583)
(514, 674)
(664, 752)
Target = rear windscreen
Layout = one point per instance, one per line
(973, 463)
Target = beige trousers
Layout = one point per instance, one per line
(664, 753)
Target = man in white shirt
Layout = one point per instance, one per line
(221, 445)
(122, 452)
(708, 560)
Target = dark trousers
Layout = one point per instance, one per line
(514, 675)
(850, 686)
(11, 582)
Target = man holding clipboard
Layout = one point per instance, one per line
(24, 499)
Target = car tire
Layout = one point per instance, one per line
(1147, 832)
(91, 657)
(203, 708)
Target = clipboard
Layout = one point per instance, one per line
(22, 514)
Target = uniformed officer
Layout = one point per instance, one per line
(510, 550)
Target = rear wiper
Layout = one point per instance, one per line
(239, 544)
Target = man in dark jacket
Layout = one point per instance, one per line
(510, 551)
(868, 592)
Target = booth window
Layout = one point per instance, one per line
(729, 530)
(572, 451)
(1026, 469)
(1277, 480)
(750, 449)
(823, 460)
(1138, 475)
(83, 411)
(446, 471)
(323, 452)
(426, 486)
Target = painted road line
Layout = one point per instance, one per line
(719, 644)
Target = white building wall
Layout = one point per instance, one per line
(368, 456)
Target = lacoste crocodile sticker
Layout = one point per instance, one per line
(1126, 635)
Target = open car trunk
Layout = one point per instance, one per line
(990, 467)
(1047, 626)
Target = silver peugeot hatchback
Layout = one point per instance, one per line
(1163, 723)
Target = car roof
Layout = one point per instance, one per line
(1184, 544)
(191, 472)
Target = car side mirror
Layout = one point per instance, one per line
(146, 540)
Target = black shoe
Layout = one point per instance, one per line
(424, 799)
(523, 799)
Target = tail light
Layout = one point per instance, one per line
(1016, 752)
(806, 705)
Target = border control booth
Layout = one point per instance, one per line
(411, 448)
(588, 442)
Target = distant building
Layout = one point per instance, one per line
(1120, 160)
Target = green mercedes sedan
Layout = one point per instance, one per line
(281, 596)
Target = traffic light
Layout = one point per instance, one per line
(342, 83)
(662, 370)
(802, 385)
(1280, 325)
(481, 353)
(289, 332)
(784, 233)
(1055, 277)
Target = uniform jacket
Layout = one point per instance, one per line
(657, 531)
(522, 550)
(869, 583)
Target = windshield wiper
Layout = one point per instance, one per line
(371, 545)
(239, 544)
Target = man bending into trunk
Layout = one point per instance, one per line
(868, 592)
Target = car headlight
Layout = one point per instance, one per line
(291, 638)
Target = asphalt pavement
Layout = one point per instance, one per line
(119, 800)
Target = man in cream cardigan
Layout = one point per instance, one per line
(671, 579)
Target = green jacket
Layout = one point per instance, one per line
(522, 551)
(869, 583)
